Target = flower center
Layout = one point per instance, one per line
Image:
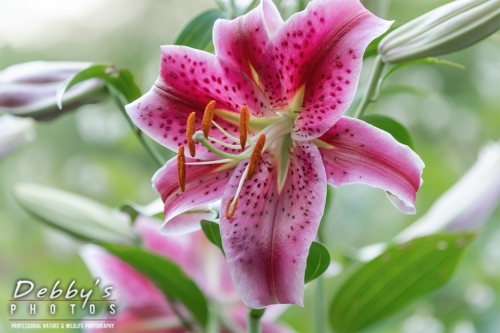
(252, 143)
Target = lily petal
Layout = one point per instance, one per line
(178, 249)
(164, 119)
(322, 48)
(268, 238)
(361, 153)
(130, 288)
(199, 77)
(243, 40)
(204, 184)
(199, 258)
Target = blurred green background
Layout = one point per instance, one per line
(451, 113)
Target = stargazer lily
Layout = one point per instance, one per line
(269, 104)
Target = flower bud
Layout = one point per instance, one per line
(14, 132)
(29, 89)
(446, 29)
(79, 216)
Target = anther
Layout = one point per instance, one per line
(256, 155)
(208, 116)
(189, 133)
(231, 208)
(244, 119)
(181, 169)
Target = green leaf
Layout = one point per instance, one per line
(198, 32)
(318, 261)
(212, 231)
(404, 272)
(168, 276)
(117, 80)
(398, 131)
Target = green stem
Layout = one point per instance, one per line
(154, 154)
(371, 88)
(253, 320)
(319, 314)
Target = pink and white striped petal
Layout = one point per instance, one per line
(130, 288)
(198, 77)
(243, 40)
(322, 49)
(204, 184)
(356, 152)
(267, 240)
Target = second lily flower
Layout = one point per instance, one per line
(269, 107)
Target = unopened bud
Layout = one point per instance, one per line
(29, 89)
(79, 216)
(447, 29)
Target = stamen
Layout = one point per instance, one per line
(226, 160)
(231, 137)
(200, 137)
(256, 155)
(208, 116)
(181, 169)
(189, 133)
(222, 143)
(231, 208)
(244, 119)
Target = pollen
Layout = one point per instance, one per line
(256, 155)
(231, 208)
(244, 119)
(208, 116)
(189, 133)
(181, 169)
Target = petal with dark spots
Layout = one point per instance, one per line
(164, 119)
(243, 40)
(267, 240)
(198, 77)
(204, 184)
(362, 153)
(322, 48)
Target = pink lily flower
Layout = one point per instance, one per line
(142, 307)
(270, 104)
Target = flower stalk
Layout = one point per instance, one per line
(371, 89)
(253, 320)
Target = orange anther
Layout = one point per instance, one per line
(231, 210)
(244, 119)
(208, 116)
(256, 154)
(181, 169)
(189, 133)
